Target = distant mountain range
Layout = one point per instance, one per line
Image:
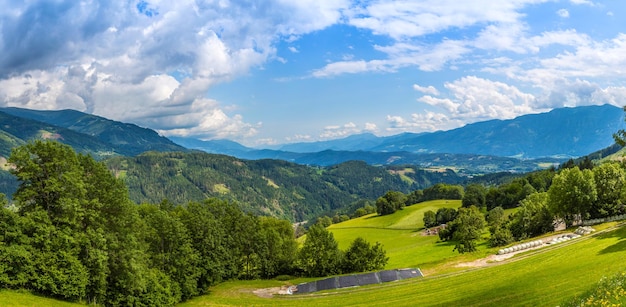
(270, 186)
(521, 144)
(564, 132)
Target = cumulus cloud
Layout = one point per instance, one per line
(428, 121)
(154, 62)
(426, 89)
(426, 58)
(339, 131)
(500, 27)
(118, 58)
(406, 19)
(471, 99)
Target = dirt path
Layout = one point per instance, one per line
(270, 292)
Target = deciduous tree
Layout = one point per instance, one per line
(320, 254)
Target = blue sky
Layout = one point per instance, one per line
(271, 72)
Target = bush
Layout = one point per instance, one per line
(362, 257)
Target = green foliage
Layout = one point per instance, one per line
(362, 257)
(278, 248)
(500, 233)
(508, 195)
(170, 250)
(445, 215)
(572, 194)
(610, 180)
(390, 202)
(474, 196)
(533, 217)
(320, 254)
(77, 236)
(609, 291)
(430, 219)
(437, 191)
(325, 221)
(469, 226)
(264, 187)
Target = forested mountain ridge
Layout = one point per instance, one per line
(269, 187)
(122, 138)
(15, 131)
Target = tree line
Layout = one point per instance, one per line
(575, 193)
(74, 234)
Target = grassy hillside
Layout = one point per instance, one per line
(544, 278)
(400, 234)
(26, 299)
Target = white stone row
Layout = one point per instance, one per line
(520, 247)
(584, 230)
(605, 219)
(564, 238)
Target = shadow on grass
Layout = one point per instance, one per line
(373, 217)
(617, 247)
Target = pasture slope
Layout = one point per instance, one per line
(544, 277)
(401, 235)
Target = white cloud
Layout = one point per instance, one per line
(299, 138)
(563, 13)
(405, 19)
(582, 2)
(473, 99)
(370, 127)
(339, 131)
(293, 49)
(426, 90)
(428, 121)
(426, 58)
(126, 53)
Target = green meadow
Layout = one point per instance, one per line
(401, 235)
(544, 277)
(26, 299)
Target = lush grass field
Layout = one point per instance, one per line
(401, 235)
(545, 278)
(26, 299)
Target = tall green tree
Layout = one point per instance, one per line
(610, 180)
(390, 202)
(533, 217)
(445, 215)
(81, 229)
(430, 219)
(320, 254)
(572, 194)
(170, 250)
(497, 222)
(469, 227)
(474, 196)
(361, 256)
(278, 247)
